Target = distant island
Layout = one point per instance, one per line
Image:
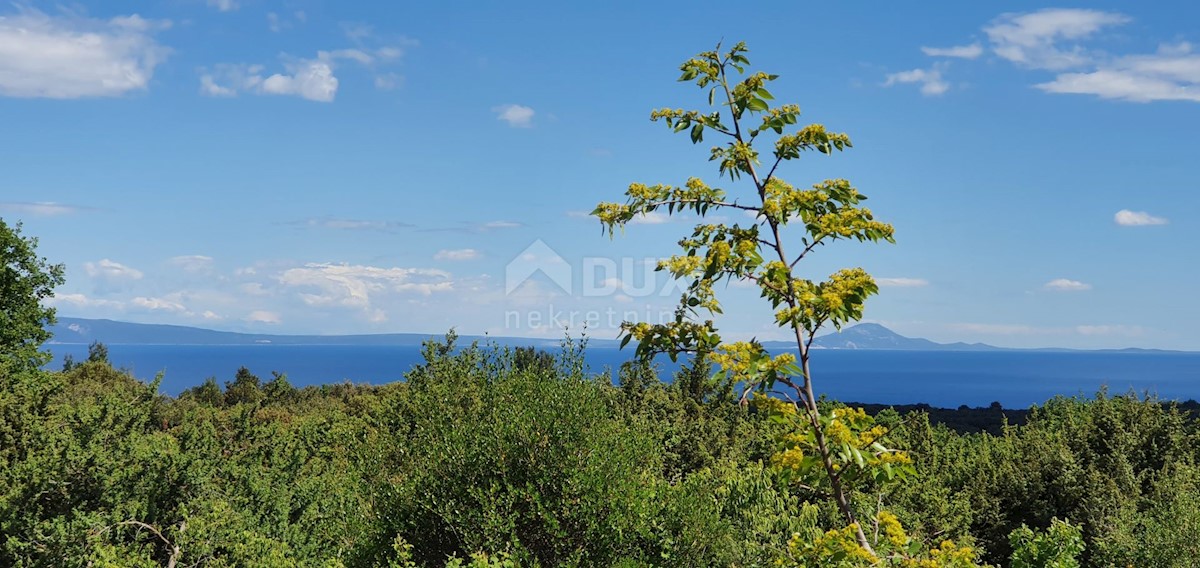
(69, 330)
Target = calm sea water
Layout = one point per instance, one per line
(940, 378)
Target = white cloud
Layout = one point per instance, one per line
(68, 57)
(357, 55)
(1127, 218)
(355, 286)
(500, 225)
(357, 31)
(341, 224)
(1171, 74)
(961, 51)
(39, 208)
(223, 5)
(1121, 330)
(193, 263)
(517, 116)
(1034, 39)
(459, 254)
(263, 316)
(311, 79)
(902, 282)
(1066, 285)
(158, 304)
(277, 23)
(253, 289)
(111, 271)
(650, 218)
(931, 81)
(209, 86)
(388, 81)
(82, 301)
(308, 79)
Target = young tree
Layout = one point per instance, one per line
(839, 448)
(25, 281)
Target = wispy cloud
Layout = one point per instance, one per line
(500, 225)
(485, 227)
(111, 270)
(971, 51)
(517, 116)
(1037, 39)
(931, 81)
(308, 78)
(650, 218)
(1171, 74)
(457, 254)
(902, 282)
(158, 305)
(355, 286)
(341, 224)
(1119, 330)
(224, 5)
(41, 208)
(1127, 218)
(69, 56)
(82, 301)
(1067, 285)
(1057, 40)
(192, 263)
(263, 316)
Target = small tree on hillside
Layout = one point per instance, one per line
(26, 280)
(827, 451)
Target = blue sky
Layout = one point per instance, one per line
(344, 167)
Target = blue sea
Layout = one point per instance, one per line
(1016, 379)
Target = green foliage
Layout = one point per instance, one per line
(26, 281)
(498, 455)
(1058, 546)
(483, 458)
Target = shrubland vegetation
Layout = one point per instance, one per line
(489, 456)
(494, 457)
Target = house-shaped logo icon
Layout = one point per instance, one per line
(537, 257)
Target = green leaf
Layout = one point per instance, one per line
(758, 105)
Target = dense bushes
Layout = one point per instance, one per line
(491, 456)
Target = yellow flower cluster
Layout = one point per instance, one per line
(774, 406)
(833, 544)
(681, 265)
(791, 459)
(892, 530)
(947, 555)
(746, 360)
(736, 358)
(838, 433)
(661, 113)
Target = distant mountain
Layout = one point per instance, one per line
(875, 336)
(85, 331)
(79, 330)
